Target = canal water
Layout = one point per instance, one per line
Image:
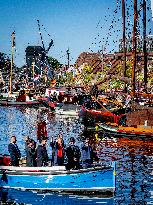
(133, 158)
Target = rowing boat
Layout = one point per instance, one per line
(57, 178)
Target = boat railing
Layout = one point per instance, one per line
(50, 170)
(14, 168)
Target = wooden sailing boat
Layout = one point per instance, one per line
(138, 122)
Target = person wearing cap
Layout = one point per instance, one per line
(14, 151)
(73, 155)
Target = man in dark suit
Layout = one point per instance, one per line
(42, 156)
(73, 155)
(30, 153)
(14, 151)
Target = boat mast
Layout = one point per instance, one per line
(102, 58)
(144, 45)
(124, 43)
(12, 60)
(134, 47)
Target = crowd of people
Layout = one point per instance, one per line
(37, 155)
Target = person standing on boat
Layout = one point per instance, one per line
(42, 156)
(14, 151)
(26, 139)
(58, 149)
(34, 144)
(73, 155)
(30, 153)
(87, 154)
(52, 145)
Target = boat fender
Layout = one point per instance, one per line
(97, 128)
(4, 177)
(96, 136)
(114, 173)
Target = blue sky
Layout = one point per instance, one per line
(152, 7)
(81, 25)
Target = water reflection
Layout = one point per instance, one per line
(16, 197)
(134, 169)
(133, 180)
(24, 121)
(134, 157)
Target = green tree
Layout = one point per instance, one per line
(5, 65)
(87, 74)
(119, 69)
(54, 63)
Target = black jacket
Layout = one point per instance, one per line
(42, 156)
(30, 154)
(72, 152)
(14, 154)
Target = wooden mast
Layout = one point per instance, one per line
(12, 61)
(144, 45)
(124, 43)
(134, 47)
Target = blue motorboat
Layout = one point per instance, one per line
(57, 178)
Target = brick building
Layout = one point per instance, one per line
(98, 60)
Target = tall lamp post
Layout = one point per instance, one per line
(68, 58)
(12, 60)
